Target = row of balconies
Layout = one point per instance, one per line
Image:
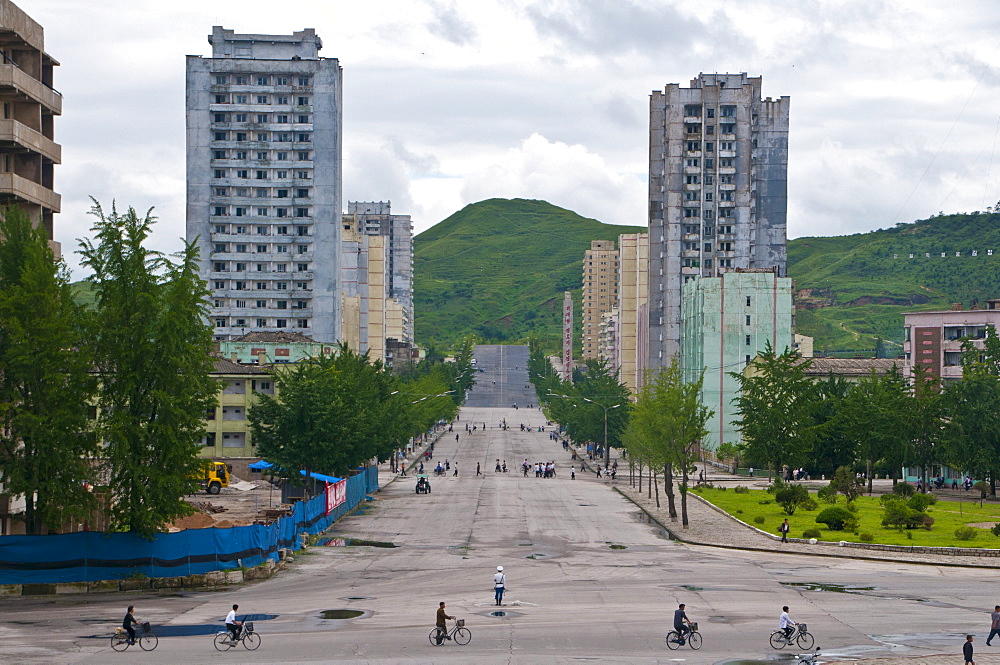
(233, 107)
(20, 187)
(247, 88)
(262, 257)
(290, 144)
(251, 163)
(254, 237)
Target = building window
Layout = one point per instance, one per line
(261, 323)
(727, 111)
(281, 304)
(220, 136)
(262, 136)
(302, 267)
(748, 301)
(281, 286)
(302, 101)
(748, 319)
(302, 230)
(282, 249)
(303, 119)
(261, 80)
(301, 193)
(304, 157)
(222, 99)
(748, 340)
(302, 212)
(282, 193)
(281, 323)
(302, 323)
(221, 79)
(304, 81)
(220, 323)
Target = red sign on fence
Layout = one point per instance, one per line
(336, 494)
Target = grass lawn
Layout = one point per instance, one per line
(948, 515)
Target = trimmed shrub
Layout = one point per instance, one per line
(996, 529)
(809, 504)
(851, 506)
(765, 502)
(866, 537)
(741, 489)
(759, 519)
(899, 514)
(739, 511)
(827, 494)
(791, 497)
(966, 533)
(835, 517)
(921, 501)
(904, 489)
(812, 533)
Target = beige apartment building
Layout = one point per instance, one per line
(28, 151)
(372, 320)
(600, 292)
(633, 287)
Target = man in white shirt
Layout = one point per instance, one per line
(233, 625)
(785, 622)
(499, 582)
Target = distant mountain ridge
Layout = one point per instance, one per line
(498, 268)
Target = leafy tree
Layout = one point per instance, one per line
(836, 518)
(331, 414)
(151, 353)
(774, 408)
(875, 416)
(832, 445)
(971, 434)
(45, 384)
(925, 416)
(671, 419)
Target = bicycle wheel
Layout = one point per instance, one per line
(673, 640)
(805, 640)
(778, 640)
(433, 637)
(694, 640)
(463, 636)
(251, 641)
(119, 643)
(222, 642)
(148, 642)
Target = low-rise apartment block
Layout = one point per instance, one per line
(933, 340)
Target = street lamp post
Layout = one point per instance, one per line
(607, 450)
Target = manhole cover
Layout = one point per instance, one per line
(340, 614)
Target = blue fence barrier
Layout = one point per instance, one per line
(91, 556)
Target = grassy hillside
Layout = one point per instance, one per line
(499, 267)
(852, 289)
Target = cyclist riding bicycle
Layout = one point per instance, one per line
(785, 622)
(234, 626)
(680, 618)
(128, 622)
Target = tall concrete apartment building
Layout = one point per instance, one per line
(28, 151)
(375, 218)
(718, 163)
(264, 118)
(600, 292)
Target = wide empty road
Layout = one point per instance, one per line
(588, 580)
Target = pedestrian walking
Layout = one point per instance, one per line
(456, 469)
(751, 472)
(497, 469)
(479, 471)
(456, 438)
(784, 529)
(995, 625)
(499, 584)
(572, 473)
(967, 650)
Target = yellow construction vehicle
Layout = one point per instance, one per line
(214, 476)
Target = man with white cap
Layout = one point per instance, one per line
(499, 581)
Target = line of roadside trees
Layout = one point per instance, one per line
(878, 425)
(103, 407)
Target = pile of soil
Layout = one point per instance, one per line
(196, 521)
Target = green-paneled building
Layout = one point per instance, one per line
(725, 322)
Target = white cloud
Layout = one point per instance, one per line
(569, 176)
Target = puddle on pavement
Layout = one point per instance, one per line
(358, 598)
(498, 613)
(692, 588)
(192, 630)
(353, 542)
(618, 547)
(340, 614)
(832, 588)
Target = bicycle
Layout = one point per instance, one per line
(460, 634)
(692, 638)
(801, 637)
(224, 639)
(808, 658)
(120, 641)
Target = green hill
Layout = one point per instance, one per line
(498, 268)
(854, 289)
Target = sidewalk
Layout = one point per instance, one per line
(714, 528)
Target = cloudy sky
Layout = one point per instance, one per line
(895, 104)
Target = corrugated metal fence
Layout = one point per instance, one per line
(91, 556)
